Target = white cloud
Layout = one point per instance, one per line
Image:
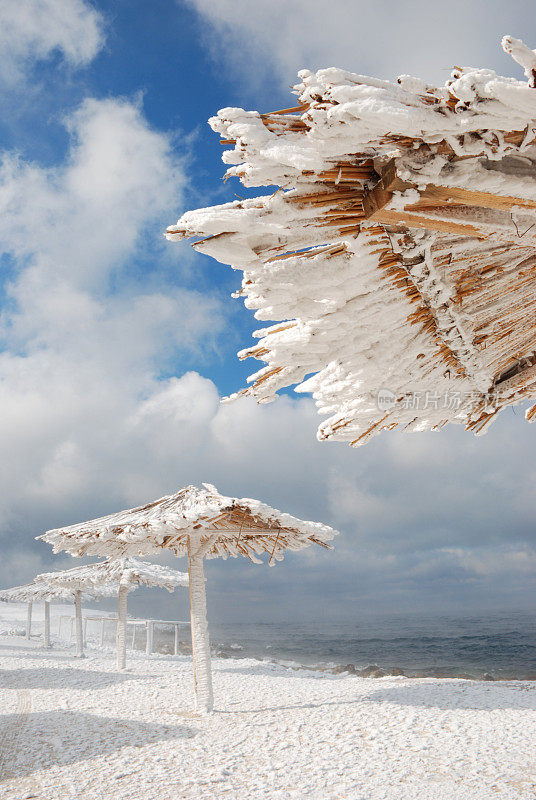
(33, 30)
(419, 493)
(72, 232)
(81, 218)
(384, 39)
(85, 336)
(409, 536)
(494, 562)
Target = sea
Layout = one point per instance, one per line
(499, 646)
(493, 646)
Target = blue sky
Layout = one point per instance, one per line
(115, 346)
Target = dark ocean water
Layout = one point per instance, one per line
(500, 645)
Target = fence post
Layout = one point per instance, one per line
(29, 620)
(78, 624)
(150, 634)
(46, 635)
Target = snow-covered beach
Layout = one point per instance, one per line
(374, 223)
(79, 729)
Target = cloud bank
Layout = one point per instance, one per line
(273, 38)
(89, 321)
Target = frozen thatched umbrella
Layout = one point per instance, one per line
(121, 575)
(42, 592)
(398, 256)
(199, 523)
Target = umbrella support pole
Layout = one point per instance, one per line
(29, 621)
(200, 638)
(78, 624)
(46, 636)
(122, 627)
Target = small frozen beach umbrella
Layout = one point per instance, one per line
(121, 575)
(41, 592)
(199, 523)
(23, 594)
(74, 592)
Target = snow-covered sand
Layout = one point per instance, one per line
(80, 730)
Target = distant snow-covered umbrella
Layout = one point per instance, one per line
(41, 592)
(52, 581)
(198, 523)
(121, 575)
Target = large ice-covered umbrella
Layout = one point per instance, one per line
(43, 592)
(199, 523)
(121, 575)
(397, 257)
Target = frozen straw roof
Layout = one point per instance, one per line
(36, 592)
(398, 256)
(113, 573)
(229, 526)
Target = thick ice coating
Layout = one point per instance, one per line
(40, 592)
(397, 258)
(113, 573)
(197, 517)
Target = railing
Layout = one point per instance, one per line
(148, 624)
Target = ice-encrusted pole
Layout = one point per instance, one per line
(29, 620)
(122, 627)
(149, 641)
(78, 624)
(46, 636)
(204, 700)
